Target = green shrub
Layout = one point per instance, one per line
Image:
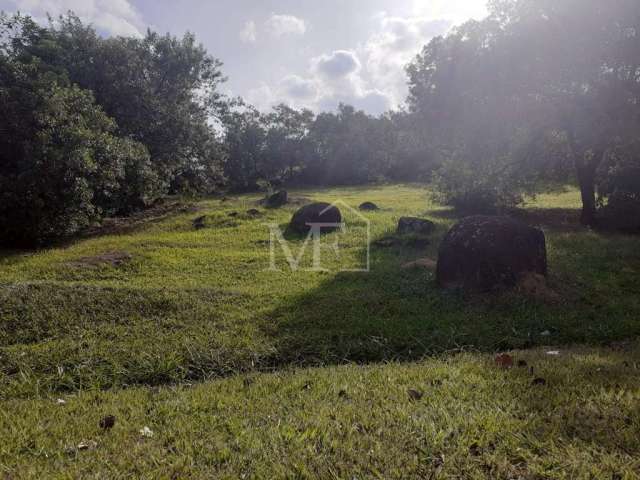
(61, 167)
(473, 189)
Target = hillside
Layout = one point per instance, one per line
(188, 332)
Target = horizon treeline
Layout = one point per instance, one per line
(539, 94)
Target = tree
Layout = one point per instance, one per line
(349, 147)
(162, 91)
(287, 144)
(61, 167)
(557, 68)
(245, 137)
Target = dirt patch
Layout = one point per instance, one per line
(123, 225)
(535, 286)
(113, 259)
(423, 263)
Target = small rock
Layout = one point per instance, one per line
(89, 445)
(108, 422)
(276, 200)
(553, 353)
(146, 432)
(415, 395)
(200, 222)
(61, 402)
(417, 242)
(368, 207)
(546, 333)
(539, 382)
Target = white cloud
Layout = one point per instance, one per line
(393, 46)
(337, 64)
(298, 88)
(371, 77)
(113, 17)
(281, 25)
(249, 33)
(331, 79)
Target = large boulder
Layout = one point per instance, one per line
(276, 200)
(481, 253)
(315, 213)
(419, 226)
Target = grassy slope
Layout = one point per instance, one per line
(195, 305)
(474, 421)
(200, 305)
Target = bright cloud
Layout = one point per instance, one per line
(337, 64)
(355, 53)
(393, 46)
(281, 25)
(298, 88)
(249, 33)
(113, 17)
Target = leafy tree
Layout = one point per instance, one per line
(349, 147)
(61, 167)
(245, 137)
(161, 91)
(287, 143)
(562, 69)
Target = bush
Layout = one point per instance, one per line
(61, 167)
(473, 189)
(619, 190)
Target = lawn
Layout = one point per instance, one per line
(273, 355)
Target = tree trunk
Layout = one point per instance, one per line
(588, 194)
(586, 170)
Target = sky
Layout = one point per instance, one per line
(305, 53)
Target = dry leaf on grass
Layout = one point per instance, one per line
(504, 361)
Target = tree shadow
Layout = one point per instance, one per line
(391, 313)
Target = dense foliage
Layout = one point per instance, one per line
(346, 147)
(562, 71)
(94, 127)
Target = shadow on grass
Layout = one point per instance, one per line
(100, 338)
(395, 314)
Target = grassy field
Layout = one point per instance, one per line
(202, 307)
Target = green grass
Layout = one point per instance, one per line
(474, 421)
(201, 306)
